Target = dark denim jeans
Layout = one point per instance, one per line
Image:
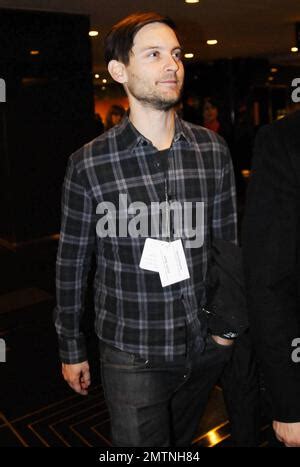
(158, 405)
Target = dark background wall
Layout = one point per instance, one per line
(49, 113)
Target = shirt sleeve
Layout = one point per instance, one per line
(224, 221)
(76, 245)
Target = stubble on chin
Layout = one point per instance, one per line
(154, 99)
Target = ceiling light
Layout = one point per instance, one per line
(189, 55)
(294, 49)
(93, 33)
(104, 81)
(34, 52)
(97, 76)
(271, 78)
(212, 42)
(191, 1)
(274, 70)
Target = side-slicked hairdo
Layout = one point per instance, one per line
(119, 41)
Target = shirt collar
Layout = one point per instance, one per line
(129, 137)
(182, 130)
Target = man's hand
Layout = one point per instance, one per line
(77, 376)
(287, 433)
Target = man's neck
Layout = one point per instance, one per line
(156, 125)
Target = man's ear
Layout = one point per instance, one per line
(117, 71)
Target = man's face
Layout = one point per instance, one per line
(210, 113)
(155, 72)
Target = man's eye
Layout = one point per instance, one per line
(153, 54)
(178, 55)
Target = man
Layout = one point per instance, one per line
(271, 243)
(155, 372)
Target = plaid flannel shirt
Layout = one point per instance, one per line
(133, 311)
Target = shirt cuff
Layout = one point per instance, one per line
(72, 350)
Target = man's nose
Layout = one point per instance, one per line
(172, 63)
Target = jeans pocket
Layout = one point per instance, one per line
(113, 356)
(140, 362)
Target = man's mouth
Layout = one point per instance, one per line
(170, 82)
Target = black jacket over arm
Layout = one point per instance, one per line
(271, 250)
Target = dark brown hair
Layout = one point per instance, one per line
(119, 41)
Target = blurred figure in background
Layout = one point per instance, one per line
(212, 120)
(114, 116)
(191, 110)
(210, 115)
